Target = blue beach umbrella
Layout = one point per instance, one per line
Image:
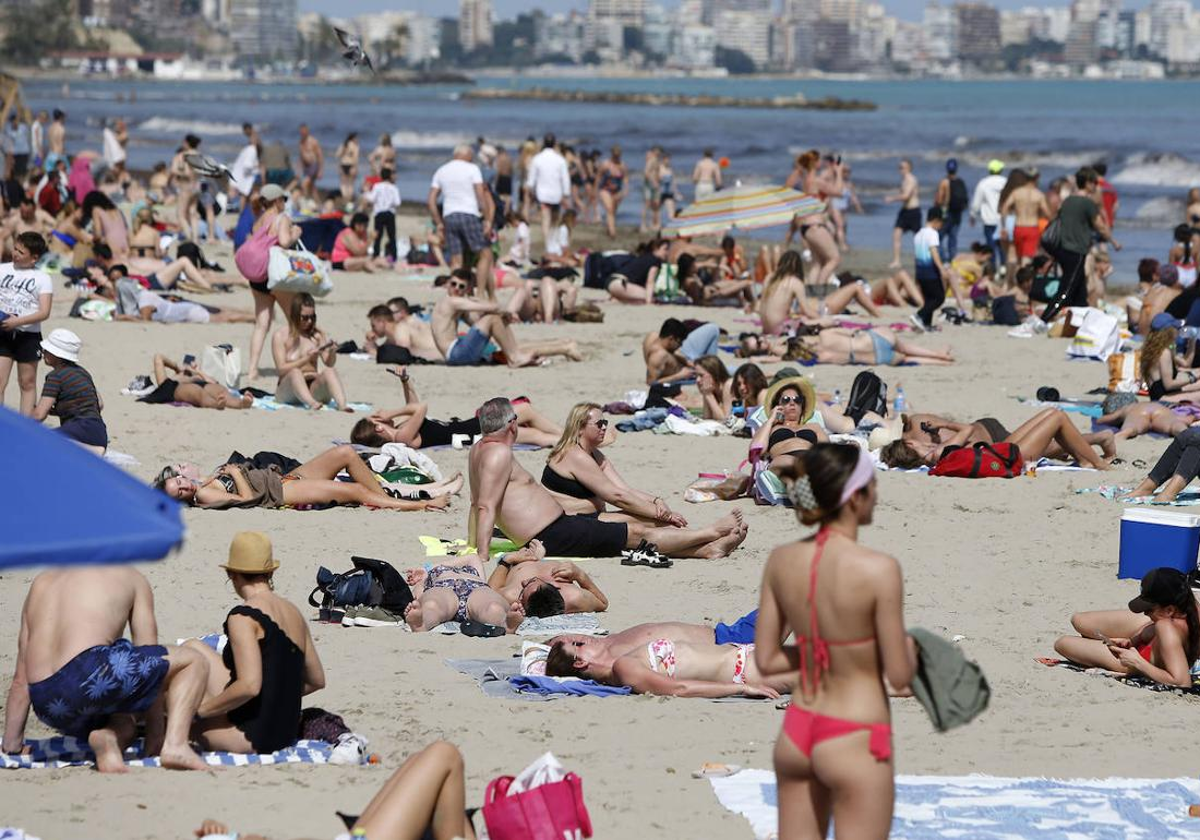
(62, 505)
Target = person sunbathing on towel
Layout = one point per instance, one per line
(671, 659)
(185, 384)
(1048, 434)
(505, 495)
(416, 429)
(457, 591)
(312, 483)
(1158, 638)
(543, 589)
(1142, 418)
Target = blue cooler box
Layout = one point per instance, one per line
(1154, 538)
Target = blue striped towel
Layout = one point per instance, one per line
(65, 751)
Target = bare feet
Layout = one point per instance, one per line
(514, 617)
(729, 523)
(523, 360)
(440, 503)
(413, 616)
(181, 758)
(108, 751)
(451, 487)
(573, 352)
(725, 545)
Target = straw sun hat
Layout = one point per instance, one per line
(799, 383)
(250, 553)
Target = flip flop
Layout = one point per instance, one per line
(646, 554)
(480, 630)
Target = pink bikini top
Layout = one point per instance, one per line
(819, 647)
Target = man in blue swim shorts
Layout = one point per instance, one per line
(83, 679)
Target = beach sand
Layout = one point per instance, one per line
(1002, 563)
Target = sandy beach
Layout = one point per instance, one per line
(1001, 563)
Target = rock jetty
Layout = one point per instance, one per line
(829, 103)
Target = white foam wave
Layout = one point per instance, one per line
(1159, 170)
(201, 128)
(1065, 161)
(1160, 210)
(442, 140)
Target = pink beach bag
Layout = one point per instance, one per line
(553, 811)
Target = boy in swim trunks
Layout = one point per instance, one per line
(81, 678)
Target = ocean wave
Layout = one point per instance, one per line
(1066, 161)
(201, 128)
(443, 140)
(1160, 211)
(1159, 170)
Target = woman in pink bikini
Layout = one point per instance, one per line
(845, 604)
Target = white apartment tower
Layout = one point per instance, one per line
(474, 24)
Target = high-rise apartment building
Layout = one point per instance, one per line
(264, 29)
(474, 24)
(978, 28)
(747, 32)
(626, 12)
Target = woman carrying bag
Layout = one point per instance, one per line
(271, 228)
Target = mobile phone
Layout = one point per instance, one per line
(189, 360)
(1104, 638)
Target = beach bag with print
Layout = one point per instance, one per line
(222, 362)
(1098, 337)
(1124, 372)
(297, 270)
(983, 460)
(550, 811)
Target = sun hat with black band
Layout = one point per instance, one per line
(798, 383)
(1162, 587)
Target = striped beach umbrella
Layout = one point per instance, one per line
(743, 208)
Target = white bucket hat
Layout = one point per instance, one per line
(64, 344)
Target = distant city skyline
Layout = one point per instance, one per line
(909, 10)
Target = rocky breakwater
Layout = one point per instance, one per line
(829, 103)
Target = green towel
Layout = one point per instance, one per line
(952, 689)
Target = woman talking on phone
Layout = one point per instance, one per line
(844, 602)
(299, 352)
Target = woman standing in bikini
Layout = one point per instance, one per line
(611, 178)
(845, 604)
(348, 156)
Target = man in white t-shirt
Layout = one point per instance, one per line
(550, 181)
(245, 170)
(931, 274)
(464, 217)
(26, 295)
(384, 198)
(115, 137)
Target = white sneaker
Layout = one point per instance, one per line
(351, 748)
(916, 322)
(1037, 325)
(1023, 331)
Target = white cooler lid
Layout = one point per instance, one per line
(1150, 516)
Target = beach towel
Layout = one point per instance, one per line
(1133, 680)
(438, 547)
(1000, 808)
(268, 403)
(1089, 409)
(574, 688)
(64, 751)
(1113, 492)
(574, 623)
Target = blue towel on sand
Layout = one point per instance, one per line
(579, 688)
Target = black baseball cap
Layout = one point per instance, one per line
(1162, 587)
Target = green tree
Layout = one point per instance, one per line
(389, 50)
(34, 30)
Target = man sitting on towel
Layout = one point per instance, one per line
(544, 589)
(83, 679)
(669, 658)
(505, 495)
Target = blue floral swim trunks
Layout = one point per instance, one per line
(101, 681)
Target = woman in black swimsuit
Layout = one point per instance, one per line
(790, 405)
(187, 385)
(417, 430)
(583, 481)
(252, 702)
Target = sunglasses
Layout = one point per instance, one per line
(602, 425)
(789, 399)
(312, 317)
(459, 286)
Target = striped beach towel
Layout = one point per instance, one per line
(65, 751)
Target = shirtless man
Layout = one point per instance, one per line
(670, 352)
(669, 658)
(1028, 204)
(908, 220)
(542, 589)
(706, 176)
(56, 140)
(83, 679)
(491, 322)
(27, 217)
(505, 495)
(312, 163)
(1165, 289)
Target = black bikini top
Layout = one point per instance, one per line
(780, 435)
(558, 483)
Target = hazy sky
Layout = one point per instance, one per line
(904, 9)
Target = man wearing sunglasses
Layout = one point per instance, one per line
(505, 495)
(491, 322)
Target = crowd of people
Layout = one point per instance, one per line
(829, 629)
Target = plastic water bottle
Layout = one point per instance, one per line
(837, 396)
(900, 403)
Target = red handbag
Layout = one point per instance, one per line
(553, 811)
(983, 460)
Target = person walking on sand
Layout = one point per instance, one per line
(550, 182)
(312, 163)
(952, 198)
(908, 220)
(83, 679)
(462, 212)
(985, 207)
(845, 604)
(706, 176)
(1028, 204)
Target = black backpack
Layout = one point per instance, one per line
(958, 196)
(372, 583)
(868, 393)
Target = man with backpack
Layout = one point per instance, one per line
(952, 197)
